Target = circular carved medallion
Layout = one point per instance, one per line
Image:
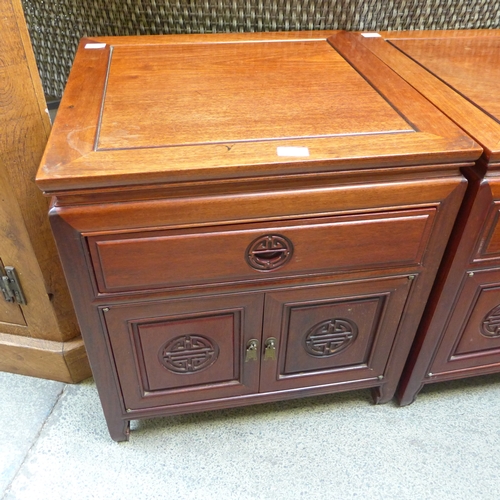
(330, 337)
(188, 354)
(269, 252)
(490, 327)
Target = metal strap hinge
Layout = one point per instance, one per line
(11, 288)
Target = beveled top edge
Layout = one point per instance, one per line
(215, 38)
(480, 33)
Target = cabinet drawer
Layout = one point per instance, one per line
(257, 251)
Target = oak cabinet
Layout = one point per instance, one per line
(246, 218)
(39, 334)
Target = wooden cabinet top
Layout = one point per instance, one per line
(459, 71)
(143, 110)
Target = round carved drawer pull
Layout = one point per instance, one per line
(269, 252)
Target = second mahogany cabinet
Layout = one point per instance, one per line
(247, 218)
(459, 71)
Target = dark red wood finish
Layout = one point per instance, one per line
(459, 72)
(211, 269)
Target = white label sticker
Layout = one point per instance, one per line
(292, 151)
(95, 45)
(371, 35)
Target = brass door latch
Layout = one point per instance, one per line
(270, 349)
(252, 350)
(11, 288)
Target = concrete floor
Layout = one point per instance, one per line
(55, 445)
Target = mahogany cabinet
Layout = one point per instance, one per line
(247, 218)
(459, 71)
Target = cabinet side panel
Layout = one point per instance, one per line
(72, 253)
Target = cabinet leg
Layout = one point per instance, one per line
(119, 430)
(382, 394)
(407, 394)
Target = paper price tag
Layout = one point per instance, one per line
(292, 151)
(371, 35)
(95, 45)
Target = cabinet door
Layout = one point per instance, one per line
(472, 337)
(178, 351)
(330, 334)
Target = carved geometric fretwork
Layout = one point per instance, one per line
(490, 327)
(269, 252)
(330, 337)
(188, 354)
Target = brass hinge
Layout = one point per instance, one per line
(11, 288)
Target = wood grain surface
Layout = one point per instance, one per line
(456, 70)
(284, 92)
(211, 93)
(456, 62)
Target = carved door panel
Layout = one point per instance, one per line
(178, 351)
(472, 337)
(330, 334)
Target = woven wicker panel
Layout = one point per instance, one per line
(57, 25)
